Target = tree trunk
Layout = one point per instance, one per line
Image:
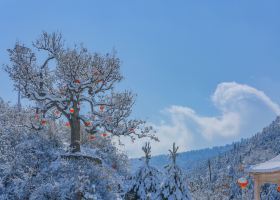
(75, 132)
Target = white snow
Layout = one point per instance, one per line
(268, 166)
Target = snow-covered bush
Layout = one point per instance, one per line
(36, 166)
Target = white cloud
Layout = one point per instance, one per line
(187, 128)
(229, 92)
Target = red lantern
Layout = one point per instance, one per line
(36, 116)
(278, 188)
(104, 134)
(243, 182)
(101, 108)
(131, 130)
(57, 113)
(71, 110)
(77, 81)
(44, 122)
(67, 124)
(88, 123)
(91, 137)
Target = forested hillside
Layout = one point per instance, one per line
(186, 160)
(231, 165)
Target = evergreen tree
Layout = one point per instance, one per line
(145, 183)
(174, 185)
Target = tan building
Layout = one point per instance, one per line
(267, 172)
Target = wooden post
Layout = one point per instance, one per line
(256, 188)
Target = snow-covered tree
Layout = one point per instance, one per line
(69, 78)
(174, 185)
(146, 181)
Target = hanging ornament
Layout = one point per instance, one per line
(44, 122)
(88, 123)
(36, 116)
(71, 110)
(278, 188)
(57, 113)
(242, 182)
(67, 124)
(104, 134)
(131, 130)
(91, 137)
(101, 107)
(77, 81)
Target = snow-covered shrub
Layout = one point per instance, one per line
(37, 166)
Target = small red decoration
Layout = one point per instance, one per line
(88, 123)
(77, 81)
(71, 110)
(91, 137)
(131, 130)
(278, 188)
(101, 108)
(36, 116)
(104, 134)
(243, 182)
(67, 124)
(44, 122)
(57, 113)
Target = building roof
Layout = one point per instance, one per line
(272, 165)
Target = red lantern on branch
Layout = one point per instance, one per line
(88, 123)
(57, 113)
(71, 110)
(242, 182)
(91, 137)
(67, 124)
(101, 107)
(104, 134)
(131, 130)
(44, 122)
(36, 116)
(77, 81)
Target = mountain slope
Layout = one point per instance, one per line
(227, 167)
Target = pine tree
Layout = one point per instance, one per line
(146, 182)
(174, 185)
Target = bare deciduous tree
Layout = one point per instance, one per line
(69, 78)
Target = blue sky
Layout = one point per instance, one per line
(174, 55)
